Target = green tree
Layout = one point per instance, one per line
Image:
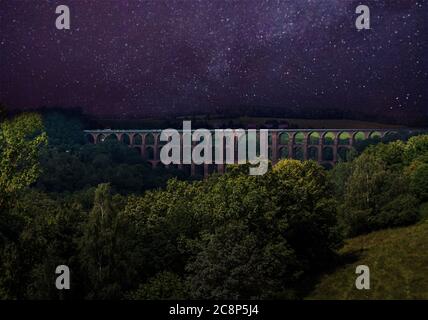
(45, 232)
(419, 181)
(106, 248)
(373, 189)
(417, 146)
(392, 154)
(164, 286)
(264, 233)
(21, 139)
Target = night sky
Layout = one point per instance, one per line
(158, 57)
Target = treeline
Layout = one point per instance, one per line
(233, 236)
(231, 114)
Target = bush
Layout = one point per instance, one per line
(164, 286)
(419, 181)
(401, 211)
(385, 186)
(265, 234)
(416, 146)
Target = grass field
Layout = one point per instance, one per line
(398, 262)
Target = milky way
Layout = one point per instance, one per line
(170, 57)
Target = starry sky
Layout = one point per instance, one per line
(163, 57)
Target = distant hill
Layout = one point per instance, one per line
(202, 121)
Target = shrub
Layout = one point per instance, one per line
(415, 147)
(401, 211)
(164, 286)
(419, 181)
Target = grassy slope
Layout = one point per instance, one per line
(398, 262)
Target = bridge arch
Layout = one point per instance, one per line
(283, 153)
(327, 154)
(376, 135)
(149, 139)
(313, 153)
(90, 138)
(125, 139)
(299, 138)
(100, 138)
(298, 153)
(391, 135)
(137, 139)
(328, 138)
(149, 153)
(359, 136)
(112, 137)
(314, 138)
(284, 138)
(344, 138)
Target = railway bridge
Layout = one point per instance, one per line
(326, 146)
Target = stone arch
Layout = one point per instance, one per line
(298, 153)
(111, 137)
(149, 153)
(344, 138)
(125, 139)
(327, 154)
(313, 153)
(314, 138)
(149, 139)
(283, 153)
(359, 136)
(101, 138)
(137, 140)
(90, 138)
(284, 138)
(161, 143)
(391, 136)
(375, 135)
(328, 138)
(299, 138)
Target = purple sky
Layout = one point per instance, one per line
(163, 57)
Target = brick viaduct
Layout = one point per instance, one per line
(326, 146)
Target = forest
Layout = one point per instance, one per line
(129, 232)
